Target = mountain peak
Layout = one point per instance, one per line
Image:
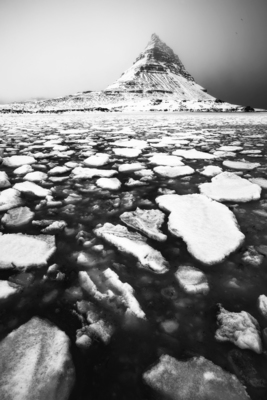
(155, 38)
(157, 52)
(158, 70)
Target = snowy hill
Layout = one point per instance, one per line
(157, 81)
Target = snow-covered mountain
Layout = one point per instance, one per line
(157, 81)
(159, 70)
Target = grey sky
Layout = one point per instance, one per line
(50, 48)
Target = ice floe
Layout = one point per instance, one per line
(109, 183)
(174, 172)
(196, 378)
(146, 221)
(134, 244)
(17, 161)
(166, 160)
(239, 328)
(192, 280)
(209, 229)
(240, 165)
(23, 251)
(36, 363)
(32, 189)
(228, 186)
(194, 154)
(17, 217)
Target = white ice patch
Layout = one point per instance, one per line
(174, 172)
(228, 186)
(109, 183)
(194, 154)
(241, 165)
(209, 229)
(166, 160)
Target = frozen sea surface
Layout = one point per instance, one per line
(120, 314)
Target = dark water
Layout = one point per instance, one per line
(115, 370)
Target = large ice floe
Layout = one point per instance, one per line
(228, 186)
(195, 379)
(18, 251)
(239, 328)
(36, 363)
(133, 243)
(209, 229)
(146, 221)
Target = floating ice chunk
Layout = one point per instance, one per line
(230, 148)
(97, 160)
(210, 170)
(59, 170)
(241, 165)
(228, 186)
(17, 161)
(262, 305)
(251, 152)
(132, 182)
(146, 221)
(89, 173)
(219, 153)
(24, 169)
(36, 363)
(171, 161)
(23, 251)
(109, 183)
(129, 153)
(174, 172)
(36, 176)
(194, 154)
(4, 182)
(17, 217)
(145, 173)
(195, 379)
(262, 182)
(126, 291)
(192, 280)
(239, 328)
(130, 167)
(209, 229)
(10, 198)
(6, 290)
(134, 244)
(134, 143)
(55, 227)
(32, 189)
